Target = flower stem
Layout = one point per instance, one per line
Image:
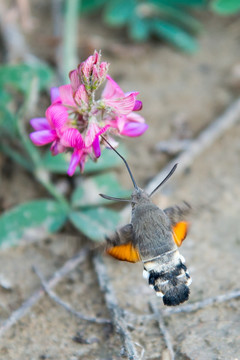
(70, 37)
(14, 155)
(42, 176)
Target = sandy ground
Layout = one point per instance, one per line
(181, 95)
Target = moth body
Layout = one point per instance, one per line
(153, 237)
(151, 227)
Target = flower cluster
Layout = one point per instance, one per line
(75, 119)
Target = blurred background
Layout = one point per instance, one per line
(183, 58)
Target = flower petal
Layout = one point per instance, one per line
(96, 142)
(135, 117)
(57, 148)
(54, 94)
(74, 79)
(43, 137)
(66, 95)
(112, 90)
(137, 105)
(81, 97)
(133, 129)
(75, 160)
(122, 105)
(96, 147)
(40, 124)
(72, 138)
(93, 131)
(82, 161)
(57, 116)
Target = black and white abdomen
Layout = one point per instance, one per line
(168, 276)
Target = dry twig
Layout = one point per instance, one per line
(69, 265)
(202, 304)
(166, 336)
(185, 308)
(115, 311)
(65, 305)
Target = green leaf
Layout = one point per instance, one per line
(186, 3)
(95, 223)
(225, 7)
(177, 15)
(44, 74)
(90, 5)
(119, 12)
(5, 98)
(59, 164)
(7, 122)
(174, 35)
(139, 29)
(29, 219)
(87, 194)
(20, 76)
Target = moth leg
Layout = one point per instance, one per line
(176, 213)
(121, 236)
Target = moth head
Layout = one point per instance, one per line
(139, 196)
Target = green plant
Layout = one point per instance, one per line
(168, 20)
(19, 88)
(225, 7)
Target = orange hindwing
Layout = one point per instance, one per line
(125, 252)
(180, 232)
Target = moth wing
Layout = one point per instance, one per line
(180, 232)
(125, 252)
(120, 246)
(177, 214)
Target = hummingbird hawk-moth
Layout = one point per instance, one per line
(153, 237)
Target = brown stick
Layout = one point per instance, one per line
(202, 304)
(185, 308)
(69, 265)
(115, 311)
(65, 305)
(163, 329)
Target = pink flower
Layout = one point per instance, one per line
(131, 125)
(91, 146)
(127, 122)
(74, 80)
(73, 139)
(122, 103)
(92, 137)
(54, 95)
(75, 120)
(51, 128)
(92, 72)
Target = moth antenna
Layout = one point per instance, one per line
(114, 198)
(125, 162)
(164, 180)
